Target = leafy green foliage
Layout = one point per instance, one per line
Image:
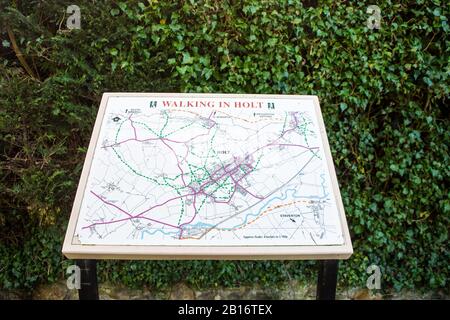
(384, 96)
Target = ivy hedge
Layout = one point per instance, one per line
(384, 96)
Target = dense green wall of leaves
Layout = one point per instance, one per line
(384, 96)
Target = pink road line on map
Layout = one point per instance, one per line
(161, 204)
(138, 216)
(111, 204)
(154, 220)
(126, 219)
(130, 216)
(188, 222)
(107, 222)
(132, 125)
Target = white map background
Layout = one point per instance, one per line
(209, 176)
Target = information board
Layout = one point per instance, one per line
(213, 176)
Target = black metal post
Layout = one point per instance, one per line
(88, 281)
(327, 280)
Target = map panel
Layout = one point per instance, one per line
(209, 172)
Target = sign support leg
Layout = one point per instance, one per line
(88, 281)
(327, 280)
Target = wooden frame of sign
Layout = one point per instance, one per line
(73, 249)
